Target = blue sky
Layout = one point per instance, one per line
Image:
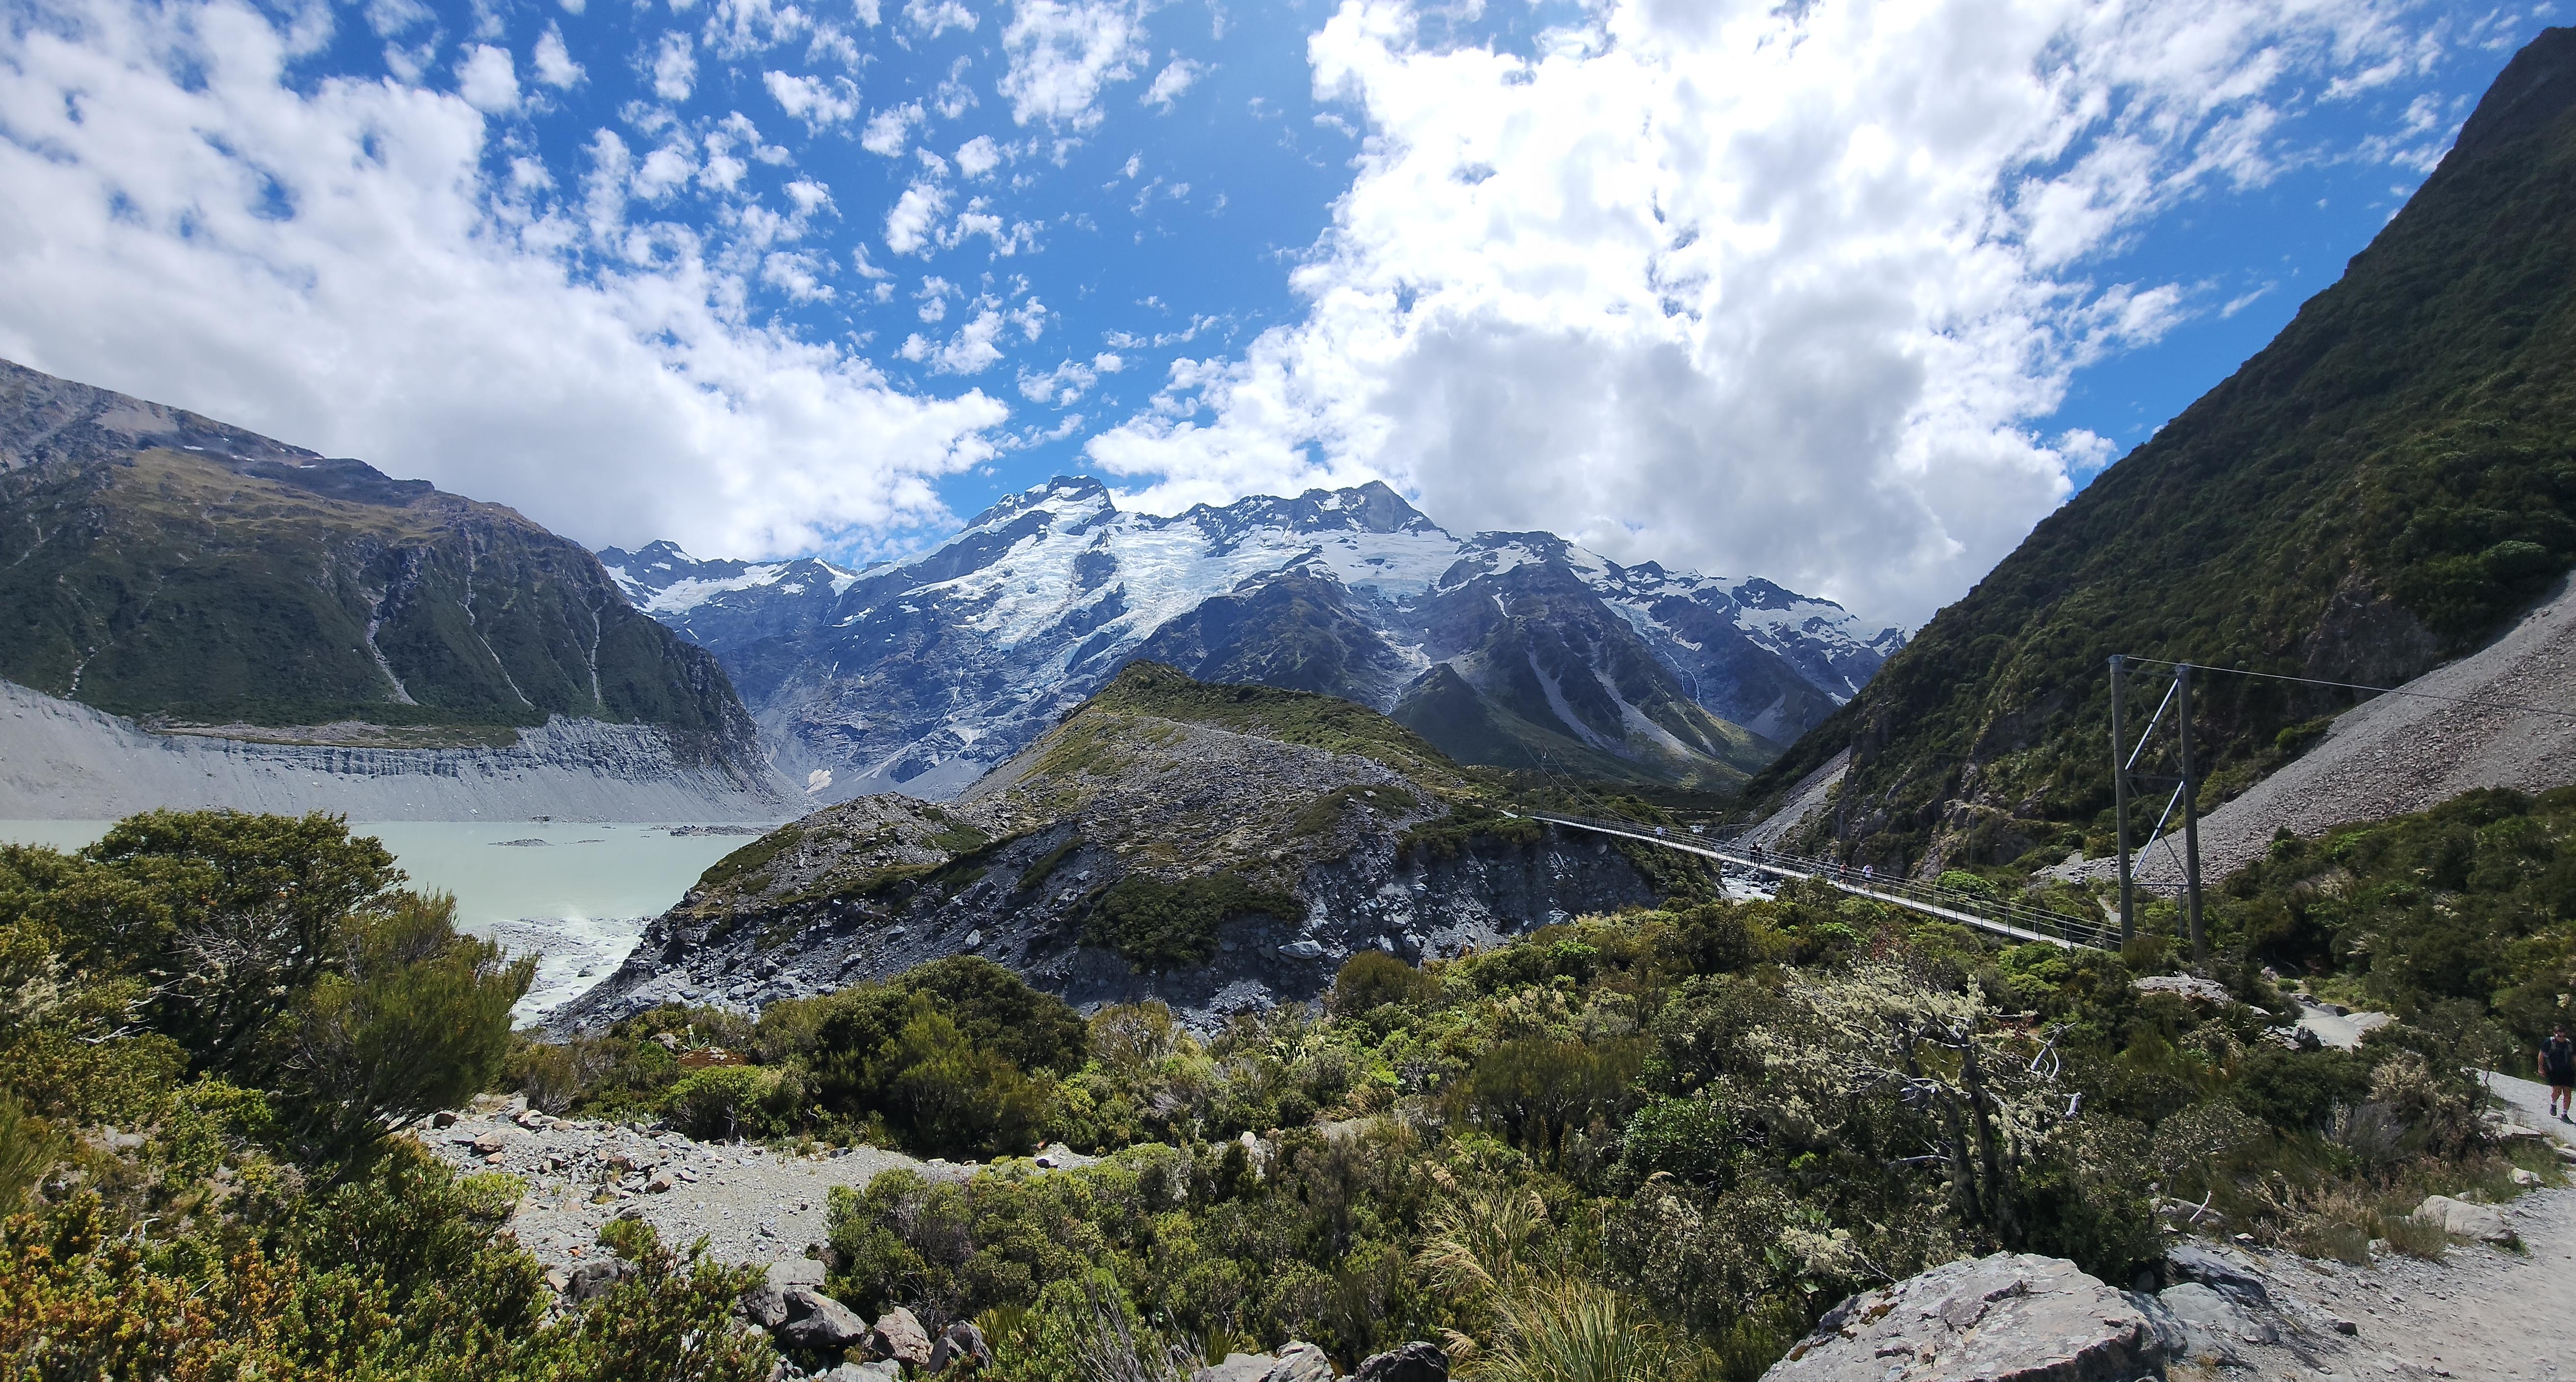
(1847, 295)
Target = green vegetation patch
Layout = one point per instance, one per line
(1291, 717)
(1158, 924)
(1466, 825)
(747, 863)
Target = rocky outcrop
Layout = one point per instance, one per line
(2012, 1317)
(1330, 829)
(60, 760)
(1295, 1362)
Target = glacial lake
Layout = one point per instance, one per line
(578, 900)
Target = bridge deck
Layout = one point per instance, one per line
(1995, 918)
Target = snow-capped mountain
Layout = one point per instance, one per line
(1511, 648)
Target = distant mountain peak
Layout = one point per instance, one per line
(925, 672)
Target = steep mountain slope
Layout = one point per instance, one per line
(2379, 489)
(925, 674)
(171, 569)
(1219, 847)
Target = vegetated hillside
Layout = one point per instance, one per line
(1653, 1146)
(162, 566)
(1517, 650)
(2379, 489)
(1219, 846)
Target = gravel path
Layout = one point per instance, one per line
(2482, 1312)
(2399, 754)
(751, 1204)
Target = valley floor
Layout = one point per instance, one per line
(751, 1204)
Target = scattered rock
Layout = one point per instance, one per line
(764, 1305)
(960, 1342)
(2523, 1177)
(659, 1185)
(2011, 1317)
(1300, 1362)
(817, 1321)
(1413, 1362)
(487, 1144)
(591, 1279)
(898, 1335)
(2478, 1221)
(2192, 987)
(444, 1118)
(2218, 1269)
(2344, 1326)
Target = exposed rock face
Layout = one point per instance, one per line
(2012, 1317)
(922, 675)
(60, 760)
(1337, 849)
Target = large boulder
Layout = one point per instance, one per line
(2482, 1222)
(1297, 1362)
(816, 1321)
(2012, 1317)
(1413, 1362)
(764, 1305)
(898, 1335)
(959, 1343)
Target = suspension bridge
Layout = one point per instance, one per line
(1994, 916)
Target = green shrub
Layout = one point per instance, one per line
(722, 1102)
(1158, 924)
(1373, 978)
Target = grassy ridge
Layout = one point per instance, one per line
(164, 583)
(2381, 487)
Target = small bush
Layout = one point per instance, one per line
(2418, 1238)
(1373, 978)
(1158, 924)
(722, 1102)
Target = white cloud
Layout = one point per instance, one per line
(978, 156)
(818, 102)
(970, 351)
(934, 17)
(1170, 83)
(890, 131)
(1063, 51)
(1743, 286)
(675, 68)
(487, 80)
(325, 262)
(911, 224)
(665, 171)
(554, 63)
(1108, 363)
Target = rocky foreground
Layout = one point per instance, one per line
(2214, 1307)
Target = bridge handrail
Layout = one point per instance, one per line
(2019, 916)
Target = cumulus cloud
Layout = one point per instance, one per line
(814, 100)
(978, 156)
(1744, 286)
(554, 63)
(326, 262)
(487, 80)
(675, 68)
(970, 351)
(912, 226)
(1169, 83)
(1062, 52)
(890, 131)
